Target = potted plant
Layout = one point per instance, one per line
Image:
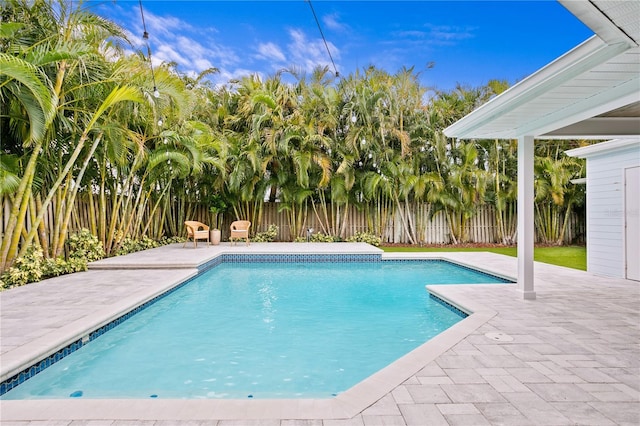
(217, 206)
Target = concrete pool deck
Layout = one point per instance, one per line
(570, 357)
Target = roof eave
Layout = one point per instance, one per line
(604, 147)
(584, 56)
(591, 16)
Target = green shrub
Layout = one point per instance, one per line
(86, 246)
(129, 245)
(26, 269)
(147, 243)
(171, 240)
(59, 266)
(54, 267)
(32, 267)
(266, 237)
(319, 238)
(322, 238)
(365, 237)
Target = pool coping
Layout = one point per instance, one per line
(345, 405)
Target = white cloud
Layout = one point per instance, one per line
(167, 53)
(270, 51)
(196, 49)
(332, 22)
(448, 33)
(434, 35)
(166, 25)
(301, 53)
(174, 40)
(202, 64)
(308, 54)
(225, 76)
(412, 34)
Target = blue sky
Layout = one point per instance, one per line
(467, 42)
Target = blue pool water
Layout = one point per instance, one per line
(262, 330)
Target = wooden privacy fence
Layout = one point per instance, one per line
(481, 228)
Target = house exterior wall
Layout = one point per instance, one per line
(605, 209)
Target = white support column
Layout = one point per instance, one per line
(525, 217)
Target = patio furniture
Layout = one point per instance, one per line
(197, 231)
(240, 230)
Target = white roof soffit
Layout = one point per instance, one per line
(612, 21)
(573, 96)
(605, 148)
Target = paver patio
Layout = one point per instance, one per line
(570, 357)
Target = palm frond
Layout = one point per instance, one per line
(40, 103)
(9, 179)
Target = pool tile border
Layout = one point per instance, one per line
(448, 305)
(502, 279)
(31, 371)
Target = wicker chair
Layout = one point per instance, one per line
(240, 230)
(196, 231)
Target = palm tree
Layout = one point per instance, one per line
(28, 109)
(464, 185)
(55, 58)
(555, 195)
(502, 190)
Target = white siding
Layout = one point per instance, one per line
(605, 210)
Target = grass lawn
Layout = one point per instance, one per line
(571, 256)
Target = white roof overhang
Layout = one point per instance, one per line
(605, 148)
(592, 91)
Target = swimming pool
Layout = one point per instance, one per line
(234, 307)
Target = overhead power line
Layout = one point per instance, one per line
(323, 38)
